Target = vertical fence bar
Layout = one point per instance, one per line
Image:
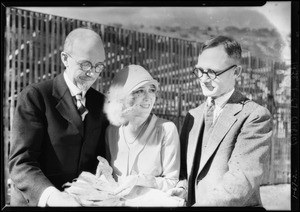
(124, 46)
(115, 49)
(52, 47)
(36, 49)
(101, 80)
(42, 48)
(63, 37)
(145, 52)
(157, 68)
(164, 72)
(111, 53)
(25, 31)
(169, 69)
(18, 52)
(13, 67)
(58, 47)
(30, 61)
(47, 18)
(8, 38)
(161, 56)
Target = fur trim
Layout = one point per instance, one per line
(119, 107)
(114, 105)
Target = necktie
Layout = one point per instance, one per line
(82, 110)
(209, 117)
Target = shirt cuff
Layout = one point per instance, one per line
(45, 195)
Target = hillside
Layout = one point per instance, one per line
(261, 42)
(250, 27)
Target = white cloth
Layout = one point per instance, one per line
(149, 197)
(45, 196)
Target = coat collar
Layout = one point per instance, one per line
(198, 115)
(226, 119)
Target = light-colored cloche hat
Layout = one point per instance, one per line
(124, 82)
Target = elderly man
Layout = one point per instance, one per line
(225, 141)
(59, 126)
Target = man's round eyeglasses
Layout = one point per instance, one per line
(87, 65)
(199, 72)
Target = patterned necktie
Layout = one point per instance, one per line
(209, 117)
(82, 110)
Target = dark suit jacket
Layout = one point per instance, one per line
(50, 144)
(233, 164)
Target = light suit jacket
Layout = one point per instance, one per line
(233, 164)
(156, 152)
(50, 144)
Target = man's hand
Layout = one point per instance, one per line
(103, 167)
(178, 191)
(62, 199)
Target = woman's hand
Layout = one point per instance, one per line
(103, 167)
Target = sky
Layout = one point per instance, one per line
(277, 12)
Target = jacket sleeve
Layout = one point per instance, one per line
(170, 154)
(28, 131)
(246, 165)
(184, 136)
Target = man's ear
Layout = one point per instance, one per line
(238, 71)
(64, 58)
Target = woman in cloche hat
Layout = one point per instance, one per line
(142, 148)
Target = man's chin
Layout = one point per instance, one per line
(208, 93)
(84, 87)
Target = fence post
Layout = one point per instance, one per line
(179, 107)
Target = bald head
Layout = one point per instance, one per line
(82, 39)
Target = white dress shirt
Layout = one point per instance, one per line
(74, 89)
(220, 102)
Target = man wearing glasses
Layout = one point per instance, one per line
(59, 126)
(225, 141)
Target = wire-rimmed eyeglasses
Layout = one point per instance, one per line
(209, 72)
(86, 65)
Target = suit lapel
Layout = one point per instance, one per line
(65, 105)
(225, 121)
(194, 136)
(95, 111)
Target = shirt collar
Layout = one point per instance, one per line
(222, 100)
(73, 88)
